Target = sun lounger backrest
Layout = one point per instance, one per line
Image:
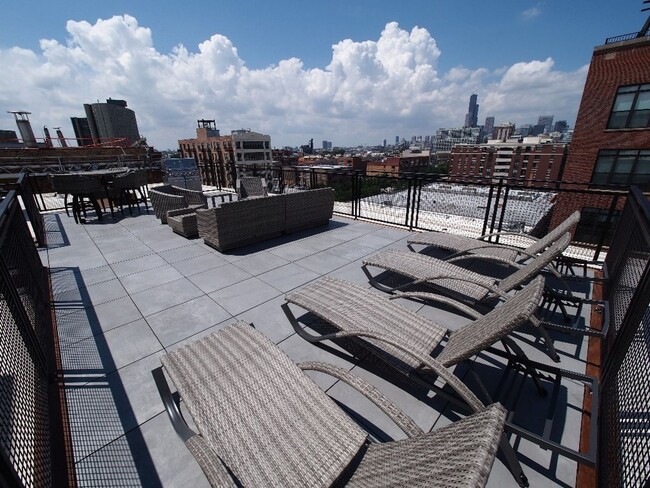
(498, 323)
(535, 266)
(554, 234)
(267, 420)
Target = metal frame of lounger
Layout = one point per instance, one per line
(382, 309)
(482, 247)
(473, 288)
(323, 444)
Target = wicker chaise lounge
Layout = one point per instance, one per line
(262, 421)
(461, 288)
(380, 324)
(465, 247)
(251, 187)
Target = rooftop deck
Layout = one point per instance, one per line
(128, 289)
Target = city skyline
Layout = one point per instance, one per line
(354, 77)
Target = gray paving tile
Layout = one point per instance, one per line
(177, 323)
(185, 252)
(199, 264)
(353, 250)
(217, 278)
(137, 251)
(323, 262)
(295, 251)
(136, 265)
(64, 279)
(261, 263)
(165, 296)
(288, 277)
(244, 295)
(82, 257)
(269, 319)
(150, 278)
(76, 299)
(119, 242)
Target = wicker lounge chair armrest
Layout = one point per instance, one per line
(211, 464)
(431, 279)
(508, 233)
(435, 366)
(403, 421)
(424, 295)
(486, 257)
(184, 211)
(175, 415)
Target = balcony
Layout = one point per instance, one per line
(127, 289)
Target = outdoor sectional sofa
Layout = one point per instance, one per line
(236, 224)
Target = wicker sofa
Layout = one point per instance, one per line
(167, 197)
(236, 224)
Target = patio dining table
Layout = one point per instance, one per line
(105, 176)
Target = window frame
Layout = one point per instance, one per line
(633, 110)
(621, 155)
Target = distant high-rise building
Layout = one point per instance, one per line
(327, 145)
(488, 129)
(82, 131)
(396, 140)
(503, 132)
(471, 119)
(547, 122)
(384, 142)
(112, 120)
(561, 126)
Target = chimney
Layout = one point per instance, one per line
(25, 128)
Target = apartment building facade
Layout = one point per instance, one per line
(610, 147)
(535, 161)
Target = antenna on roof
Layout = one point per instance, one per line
(644, 30)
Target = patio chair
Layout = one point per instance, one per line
(481, 247)
(462, 288)
(405, 340)
(262, 421)
(85, 190)
(130, 189)
(168, 197)
(251, 187)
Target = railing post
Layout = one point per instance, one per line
(487, 210)
(503, 210)
(409, 205)
(497, 199)
(608, 223)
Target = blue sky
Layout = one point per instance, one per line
(399, 68)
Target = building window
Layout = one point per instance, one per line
(625, 167)
(631, 108)
(593, 224)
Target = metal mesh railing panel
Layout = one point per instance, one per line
(24, 407)
(624, 423)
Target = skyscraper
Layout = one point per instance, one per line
(547, 122)
(471, 119)
(488, 129)
(112, 120)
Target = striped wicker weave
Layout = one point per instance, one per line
(183, 221)
(251, 187)
(455, 281)
(350, 308)
(462, 246)
(262, 419)
(168, 197)
(235, 224)
(306, 209)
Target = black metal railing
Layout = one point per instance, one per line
(625, 37)
(471, 207)
(624, 422)
(23, 185)
(27, 360)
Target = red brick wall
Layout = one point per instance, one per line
(625, 63)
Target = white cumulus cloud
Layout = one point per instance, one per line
(370, 90)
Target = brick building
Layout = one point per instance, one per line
(611, 142)
(213, 153)
(534, 160)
